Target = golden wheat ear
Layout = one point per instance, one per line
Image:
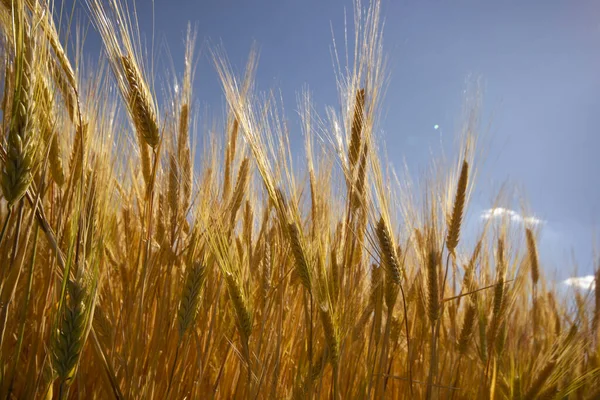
(433, 291)
(301, 262)
(69, 339)
(141, 103)
(331, 333)
(458, 209)
(240, 305)
(357, 127)
(388, 251)
(533, 256)
(240, 190)
(190, 297)
(467, 328)
(17, 174)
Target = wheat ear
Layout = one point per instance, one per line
(533, 256)
(190, 297)
(301, 262)
(388, 252)
(141, 103)
(17, 174)
(457, 211)
(356, 130)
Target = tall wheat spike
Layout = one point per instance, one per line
(191, 296)
(141, 103)
(301, 262)
(240, 188)
(433, 293)
(533, 256)
(457, 211)
(357, 127)
(70, 337)
(388, 251)
(17, 173)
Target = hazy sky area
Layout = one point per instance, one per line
(539, 62)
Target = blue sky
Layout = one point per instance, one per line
(539, 62)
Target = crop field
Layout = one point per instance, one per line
(146, 256)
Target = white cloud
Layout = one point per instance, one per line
(499, 212)
(581, 282)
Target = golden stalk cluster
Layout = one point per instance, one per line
(133, 268)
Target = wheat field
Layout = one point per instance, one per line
(134, 266)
